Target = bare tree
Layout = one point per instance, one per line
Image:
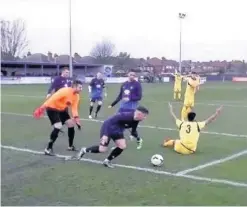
(103, 51)
(123, 59)
(13, 38)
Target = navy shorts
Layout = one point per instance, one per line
(112, 136)
(95, 99)
(57, 116)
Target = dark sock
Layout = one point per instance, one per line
(71, 135)
(98, 109)
(93, 149)
(114, 153)
(90, 110)
(53, 137)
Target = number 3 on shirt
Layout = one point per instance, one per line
(188, 130)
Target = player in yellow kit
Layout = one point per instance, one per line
(189, 97)
(177, 86)
(189, 132)
(198, 79)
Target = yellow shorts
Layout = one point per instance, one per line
(189, 102)
(181, 149)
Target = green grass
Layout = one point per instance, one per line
(29, 179)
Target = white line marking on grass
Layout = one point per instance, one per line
(150, 170)
(224, 103)
(142, 126)
(214, 162)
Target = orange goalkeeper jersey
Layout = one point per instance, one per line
(62, 99)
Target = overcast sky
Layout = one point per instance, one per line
(213, 29)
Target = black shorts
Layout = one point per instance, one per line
(57, 116)
(112, 136)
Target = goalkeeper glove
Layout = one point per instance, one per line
(39, 112)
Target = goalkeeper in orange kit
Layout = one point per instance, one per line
(56, 108)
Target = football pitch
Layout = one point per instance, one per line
(215, 175)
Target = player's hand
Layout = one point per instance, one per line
(218, 110)
(170, 106)
(39, 112)
(109, 107)
(78, 123)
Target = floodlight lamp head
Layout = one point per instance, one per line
(182, 15)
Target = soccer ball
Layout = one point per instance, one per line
(157, 160)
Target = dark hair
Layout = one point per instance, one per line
(65, 68)
(193, 72)
(191, 116)
(77, 82)
(143, 109)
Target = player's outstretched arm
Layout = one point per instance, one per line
(118, 98)
(39, 112)
(214, 116)
(171, 111)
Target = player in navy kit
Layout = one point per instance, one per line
(129, 96)
(60, 82)
(96, 89)
(113, 129)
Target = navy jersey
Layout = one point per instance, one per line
(131, 90)
(60, 82)
(97, 88)
(118, 123)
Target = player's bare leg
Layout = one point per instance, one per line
(91, 110)
(53, 136)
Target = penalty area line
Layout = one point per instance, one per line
(149, 170)
(240, 136)
(212, 163)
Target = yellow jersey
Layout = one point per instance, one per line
(189, 133)
(178, 80)
(192, 84)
